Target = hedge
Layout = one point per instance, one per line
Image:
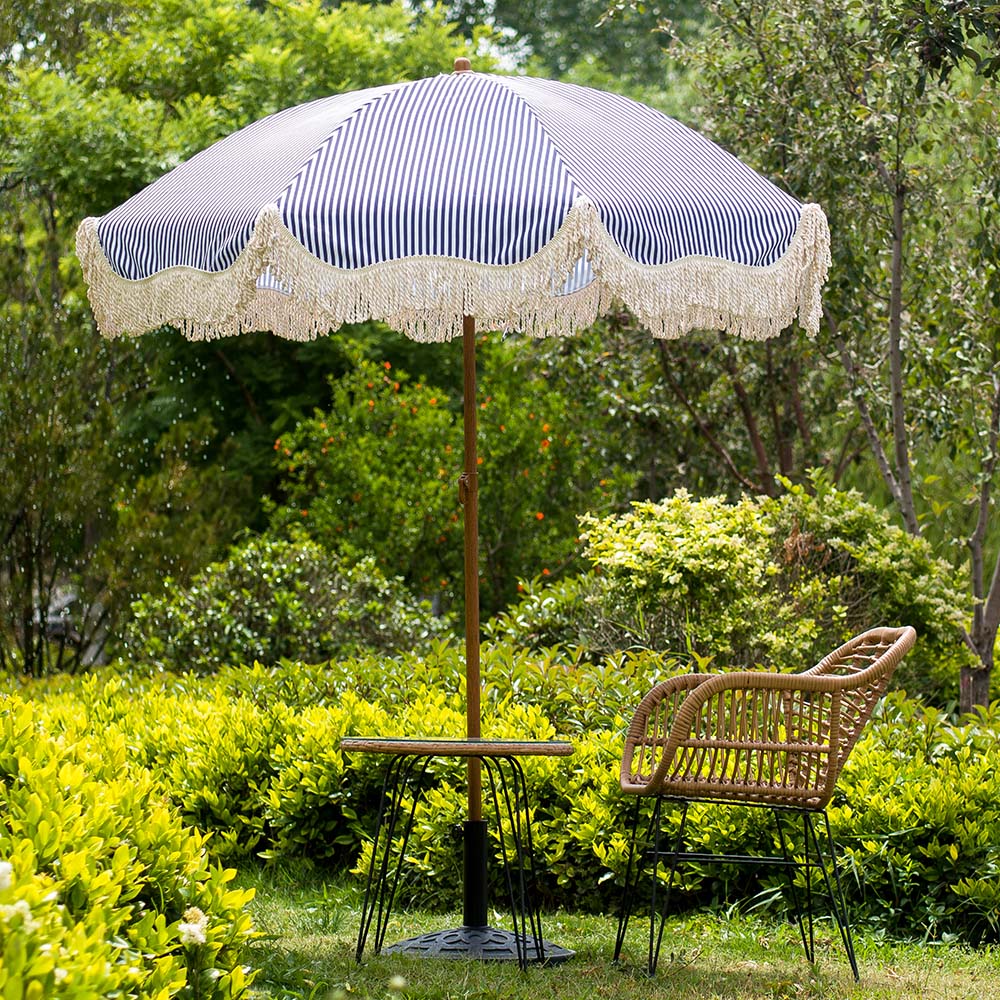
(103, 890)
(251, 756)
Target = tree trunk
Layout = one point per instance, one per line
(974, 687)
(899, 433)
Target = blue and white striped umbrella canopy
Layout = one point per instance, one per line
(528, 204)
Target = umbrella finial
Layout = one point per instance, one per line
(462, 65)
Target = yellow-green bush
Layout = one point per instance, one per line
(775, 581)
(252, 756)
(103, 891)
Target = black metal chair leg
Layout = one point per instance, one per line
(654, 956)
(791, 867)
(838, 902)
(629, 889)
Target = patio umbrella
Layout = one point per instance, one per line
(436, 204)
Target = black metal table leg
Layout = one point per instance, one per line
(507, 788)
(398, 773)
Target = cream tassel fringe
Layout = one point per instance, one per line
(426, 297)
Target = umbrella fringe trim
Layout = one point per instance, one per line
(426, 297)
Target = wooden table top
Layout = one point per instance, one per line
(458, 748)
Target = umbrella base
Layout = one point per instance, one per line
(489, 944)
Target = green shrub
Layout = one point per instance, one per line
(774, 581)
(273, 598)
(252, 756)
(103, 892)
(378, 471)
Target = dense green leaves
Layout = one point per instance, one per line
(773, 581)
(271, 599)
(127, 463)
(100, 884)
(252, 754)
(377, 473)
(862, 109)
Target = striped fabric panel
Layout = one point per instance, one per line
(202, 213)
(453, 166)
(468, 166)
(663, 192)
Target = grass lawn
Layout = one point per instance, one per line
(309, 929)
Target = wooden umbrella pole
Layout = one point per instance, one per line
(469, 496)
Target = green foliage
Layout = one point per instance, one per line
(919, 817)
(251, 755)
(587, 41)
(98, 101)
(377, 473)
(272, 598)
(775, 581)
(861, 109)
(102, 891)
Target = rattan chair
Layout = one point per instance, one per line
(753, 738)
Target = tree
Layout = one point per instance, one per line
(376, 473)
(859, 107)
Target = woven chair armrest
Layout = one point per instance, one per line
(662, 693)
(794, 731)
(653, 719)
(882, 648)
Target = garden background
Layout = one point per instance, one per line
(218, 558)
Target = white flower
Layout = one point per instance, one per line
(20, 908)
(192, 928)
(397, 984)
(191, 933)
(6, 875)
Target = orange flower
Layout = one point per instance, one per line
(432, 401)
(545, 572)
(371, 404)
(304, 513)
(387, 366)
(545, 428)
(539, 516)
(479, 460)
(545, 443)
